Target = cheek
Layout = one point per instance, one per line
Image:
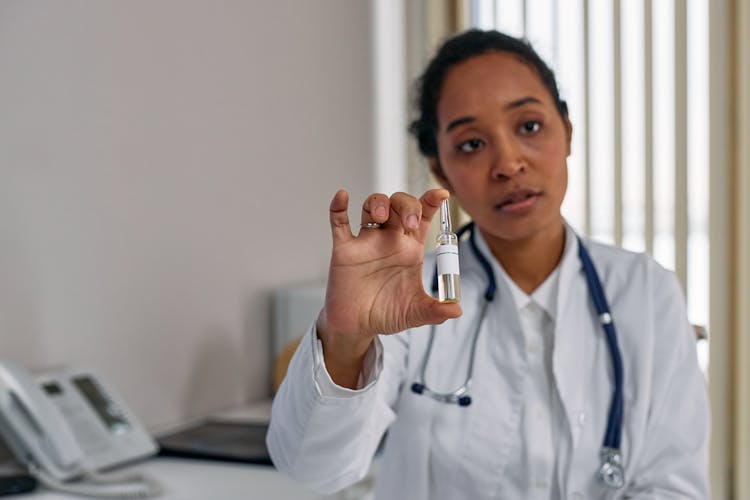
(559, 181)
(555, 164)
(552, 165)
(466, 183)
(564, 179)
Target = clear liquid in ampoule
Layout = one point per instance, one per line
(449, 279)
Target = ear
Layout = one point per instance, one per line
(568, 134)
(437, 171)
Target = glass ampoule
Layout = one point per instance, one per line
(449, 280)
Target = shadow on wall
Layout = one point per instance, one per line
(20, 290)
(258, 346)
(218, 376)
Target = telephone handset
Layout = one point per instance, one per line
(67, 426)
(32, 427)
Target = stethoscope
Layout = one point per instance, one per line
(611, 469)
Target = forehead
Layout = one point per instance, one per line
(491, 79)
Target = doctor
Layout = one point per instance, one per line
(545, 376)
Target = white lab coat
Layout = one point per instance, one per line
(326, 436)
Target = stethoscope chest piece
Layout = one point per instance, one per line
(610, 471)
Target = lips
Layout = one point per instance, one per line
(519, 200)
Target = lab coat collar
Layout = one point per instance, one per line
(546, 295)
(569, 265)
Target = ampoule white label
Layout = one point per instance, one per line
(447, 259)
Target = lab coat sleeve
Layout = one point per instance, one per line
(324, 435)
(674, 463)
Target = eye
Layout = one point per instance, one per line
(530, 127)
(470, 146)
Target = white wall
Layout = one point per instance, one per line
(163, 165)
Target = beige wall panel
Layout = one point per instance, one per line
(165, 164)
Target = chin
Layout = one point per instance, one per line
(518, 229)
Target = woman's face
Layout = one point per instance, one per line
(502, 147)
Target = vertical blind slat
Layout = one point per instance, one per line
(680, 142)
(648, 123)
(587, 119)
(617, 125)
(556, 31)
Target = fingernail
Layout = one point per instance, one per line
(412, 222)
(380, 211)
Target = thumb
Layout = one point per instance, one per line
(435, 312)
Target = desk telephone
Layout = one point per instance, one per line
(67, 426)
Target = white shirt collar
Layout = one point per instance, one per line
(545, 296)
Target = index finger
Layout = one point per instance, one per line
(339, 216)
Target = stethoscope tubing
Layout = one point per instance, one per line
(611, 470)
(458, 395)
(613, 434)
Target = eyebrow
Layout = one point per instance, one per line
(512, 105)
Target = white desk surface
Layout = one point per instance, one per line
(189, 479)
(192, 479)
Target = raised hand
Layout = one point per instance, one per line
(375, 278)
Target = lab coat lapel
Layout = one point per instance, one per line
(500, 392)
(572, 351)
(505, 394)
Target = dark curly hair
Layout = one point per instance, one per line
(456, 50)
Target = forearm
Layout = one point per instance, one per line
(321, 434)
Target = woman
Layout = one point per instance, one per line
(496, 135)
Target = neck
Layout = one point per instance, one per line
(529, 261)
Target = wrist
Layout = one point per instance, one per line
(343, 354)
(341, 342)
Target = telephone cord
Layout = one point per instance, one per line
(96, 485)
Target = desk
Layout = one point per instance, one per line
(188, 479)
(191, 479)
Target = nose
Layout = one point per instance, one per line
(507, 160)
